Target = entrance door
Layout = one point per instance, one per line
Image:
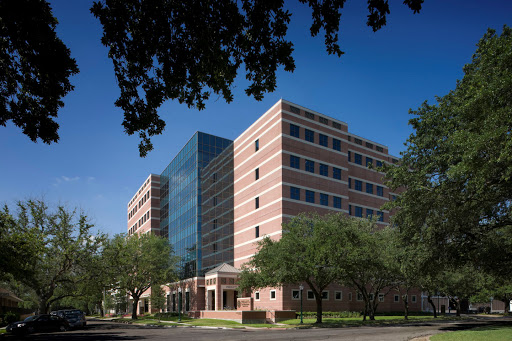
(224, 299)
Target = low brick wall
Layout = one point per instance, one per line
(245, 317)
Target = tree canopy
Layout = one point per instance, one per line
(457, 169)
(35, 67)
(140, 262)
(60, 250)
(162, 49)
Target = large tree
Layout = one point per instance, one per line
(141, 262)
(62, 247)
(304, 254)
(35, 68)
(457, 169)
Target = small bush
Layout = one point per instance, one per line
(332, 314)
(10, 317)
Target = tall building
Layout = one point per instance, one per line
(144, 207)
(181, 199)
(219, 198)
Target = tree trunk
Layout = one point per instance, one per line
(429, 299)
(371, 311)
(507, 305)
(134, 307)
(406, 307)
(457, 302)
(365, 311)
(102, 312)
(319, 308)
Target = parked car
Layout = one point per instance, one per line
(75, 317)
(38, 323)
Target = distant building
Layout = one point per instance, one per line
(218, 198)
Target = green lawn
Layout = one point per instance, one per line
(477, 334)
(359, 320)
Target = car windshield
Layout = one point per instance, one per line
(71, 315)
(30, 318)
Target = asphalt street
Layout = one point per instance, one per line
(104, 330)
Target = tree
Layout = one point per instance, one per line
(184, 50)
(62, 247)
(35, 67)
(457, 169)
(365, 260)
(304, 254)
(157, 299)
(142, 262)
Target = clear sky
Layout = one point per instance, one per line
(96, 166)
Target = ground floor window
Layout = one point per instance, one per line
(311, 296)
(257, 295)
(325, 295)
(295, 294)
(397, 298)
(338, 295)
(381, 297)
(413, 298)
(272, 294)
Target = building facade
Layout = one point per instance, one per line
(215, 209)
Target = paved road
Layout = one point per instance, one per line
(102, 330)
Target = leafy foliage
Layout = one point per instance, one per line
(35, 67)
(141, 262)
(457, 169)
(62, 247)
(185, 50)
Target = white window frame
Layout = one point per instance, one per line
(396, 299)
(307, 295)
(298, 296)
(381, 297)
(350, 296)
(357, 297)
(325, 299)
(413, 299)
(275, 295)
(257, 296)
(341, 296)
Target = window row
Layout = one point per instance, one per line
(310, 136)
(338, 296)
(358, 212)
(367, 144)
(311, 197)
(309, 166)
(311, 116)
(369, 188)
(358, 159)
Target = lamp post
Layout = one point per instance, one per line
(301, 287)
(179, 304)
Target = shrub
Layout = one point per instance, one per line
(332, 314)
(10, 317)
(166, 316)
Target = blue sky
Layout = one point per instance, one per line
(96, 166)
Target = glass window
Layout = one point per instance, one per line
(257, 231)
(295, 193)
(349, 156)
(324, 199)
(397, 298)
(310, 196)
(337, 295)
(336, 144)
(324, 170)
(369, 188)
(336, 202)
(381, 297)
(310, 135)
(359, 212)
(358, 185)
(349, 183)
(379, 163)
(380, 216)
(323, 140)
(256, 145)
(295, 294)
(294, 130)
(257, 295)
(379, 149)
(257, 173)
(272, 294)
(311, 296)
(349, 209)
(310, 166)
(358, 158)
(380, 191)
(325, 295)
(257, 202)
(413, 298)
(336, 173)
(369, 213)
(369, 161)
(294, 161)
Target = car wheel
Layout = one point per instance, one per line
(63, 328)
